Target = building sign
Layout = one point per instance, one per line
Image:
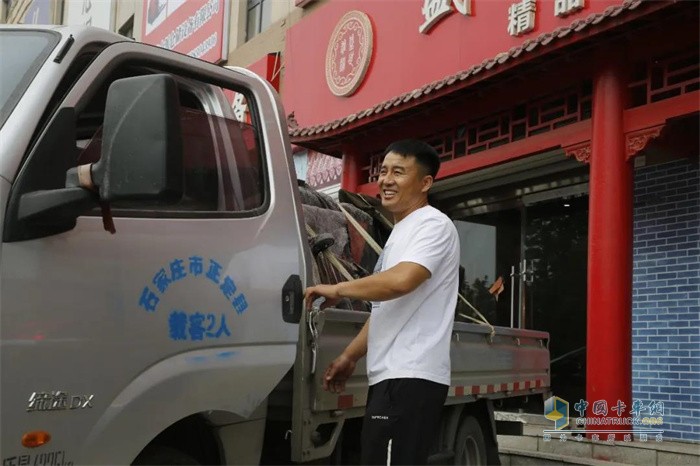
(566, 7)
(240, 107)
(521, 17)
(96, 13)
(323, 170)
(195, 28)
(434, 10)
(403, 59)
(268, 67)
(349, 53)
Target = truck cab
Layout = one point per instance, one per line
(146, 299)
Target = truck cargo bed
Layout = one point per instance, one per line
(512, 362)
(507, 363)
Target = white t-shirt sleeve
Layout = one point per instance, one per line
(430, 244)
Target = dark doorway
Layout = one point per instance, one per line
(539, 249)
(556, 238)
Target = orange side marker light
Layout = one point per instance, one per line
(35, 439)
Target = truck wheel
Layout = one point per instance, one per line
(470, 448)
(157, 454)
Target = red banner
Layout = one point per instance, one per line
(198, 28)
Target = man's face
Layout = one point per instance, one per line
(403, 184)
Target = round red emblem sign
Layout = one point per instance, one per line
(349, 53)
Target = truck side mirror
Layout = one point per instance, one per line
(141, 141)
(141, 159)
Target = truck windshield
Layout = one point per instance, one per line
(22, 53)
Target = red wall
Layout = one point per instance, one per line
(403, 58)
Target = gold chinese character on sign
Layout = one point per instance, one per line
(434, 10)
(521, 17)
(240, 107)
(566, 7)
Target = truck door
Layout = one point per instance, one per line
(108, 339)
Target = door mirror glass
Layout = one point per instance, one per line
(141, 141)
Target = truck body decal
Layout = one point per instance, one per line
(194, 326)
(149, 298)
(53, 458)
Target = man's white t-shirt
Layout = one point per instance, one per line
(409, 337)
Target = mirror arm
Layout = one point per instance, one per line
(81, 177)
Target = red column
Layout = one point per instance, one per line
(609, 337)
(352, 166)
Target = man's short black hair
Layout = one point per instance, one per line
(426, 156)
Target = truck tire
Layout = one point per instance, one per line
(470, 447)
(157, 454)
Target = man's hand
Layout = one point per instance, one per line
(338, 373)
(330, 292)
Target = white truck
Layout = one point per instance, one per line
(179, 335)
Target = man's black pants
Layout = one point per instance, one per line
(401, 421)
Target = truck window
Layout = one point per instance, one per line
(223, 165)
(23, 53)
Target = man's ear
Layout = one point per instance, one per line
(427, 183)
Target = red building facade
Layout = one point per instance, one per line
(551, 118)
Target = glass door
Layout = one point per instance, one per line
(490, 244)
(553, 283)
(538, 251)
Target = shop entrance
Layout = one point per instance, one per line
(535, 241)
(540, 253)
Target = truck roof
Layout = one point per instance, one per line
(79, 33)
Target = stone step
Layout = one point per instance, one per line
(647, 453)
(536, 458)
(650, 452)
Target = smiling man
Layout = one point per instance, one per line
(407, 337)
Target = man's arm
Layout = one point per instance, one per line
(358, 346)
(383, 286)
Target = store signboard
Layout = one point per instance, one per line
(420, 42)
(198, 28)
(267, 67)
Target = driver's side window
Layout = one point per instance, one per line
(223, 163)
